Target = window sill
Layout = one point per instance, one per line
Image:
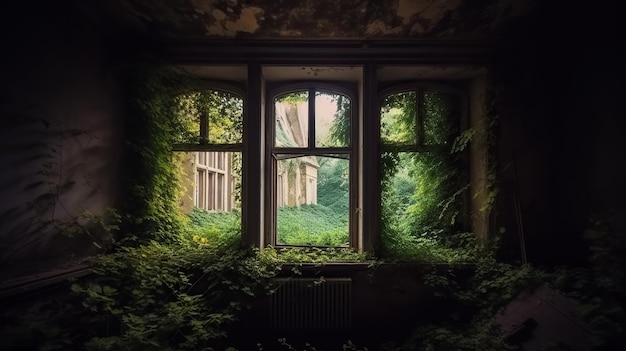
(354, 267)
(29, 284)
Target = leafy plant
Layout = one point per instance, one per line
(152, 181)
(600, 288)
(422, 181)
(467, 301)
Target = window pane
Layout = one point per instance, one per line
(187, 113)
(314, 204)
(397, 119)
(421, 195)
(222, 110)
(292, 119)
(441, 118)
(208, 188)
(225, 117)
(332, 120)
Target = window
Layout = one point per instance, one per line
(332, 155)
(209, 149)
(423, 181)
(214, 181)
(312, 165)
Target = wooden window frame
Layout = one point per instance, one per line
(211, 164)
(352, 150)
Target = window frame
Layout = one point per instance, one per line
(204, 145)
(367, 87)
(420, 87)
(277, 88)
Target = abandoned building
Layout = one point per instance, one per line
(527, 97)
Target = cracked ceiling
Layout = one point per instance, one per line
(216, 19)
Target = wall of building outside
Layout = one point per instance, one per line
(293, 118)
(189, 164)
(297, 180)
(297, 176)
(188, 183)
(308, 179)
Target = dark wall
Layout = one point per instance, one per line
(562, 120)
(61, 132)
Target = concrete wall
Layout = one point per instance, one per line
(61, 135)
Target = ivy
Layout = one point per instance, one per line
(152, 179)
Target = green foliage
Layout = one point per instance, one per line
(100, 228)
(467, 300)
(426, 250)
(151, 208)
(422, 185)
(333, 184)
(182, 296)
(218, 228)
(441, 118)
(600, 289)
(311, 225)
(481, 333)
(397, 118)
(424, 177)
(224, 112)
(340, 129)
(421, 201)
(313, 255)
(294, 98)
(283, 344)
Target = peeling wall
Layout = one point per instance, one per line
(319, 19)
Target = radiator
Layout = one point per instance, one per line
(303, 303)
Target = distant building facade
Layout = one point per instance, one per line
(208, 181)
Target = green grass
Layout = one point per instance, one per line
(312, 225)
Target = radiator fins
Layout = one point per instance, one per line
(305, 303)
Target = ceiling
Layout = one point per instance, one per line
(337, 73)
(328, 19)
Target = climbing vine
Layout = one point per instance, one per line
(152, 180)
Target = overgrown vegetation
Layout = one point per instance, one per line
(312, 225)
(150, 210)
(181, 282)
(600, 289)
(423, 176)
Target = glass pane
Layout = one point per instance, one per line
(224, 113)
(292, 119)
(225, 117)
(441, 122)
(187, 113)
(313, 208)
(397, 119)
(421, 196)
(207, 188)
(332, 120)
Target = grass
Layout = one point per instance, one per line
(318, 225)
(311, 225)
